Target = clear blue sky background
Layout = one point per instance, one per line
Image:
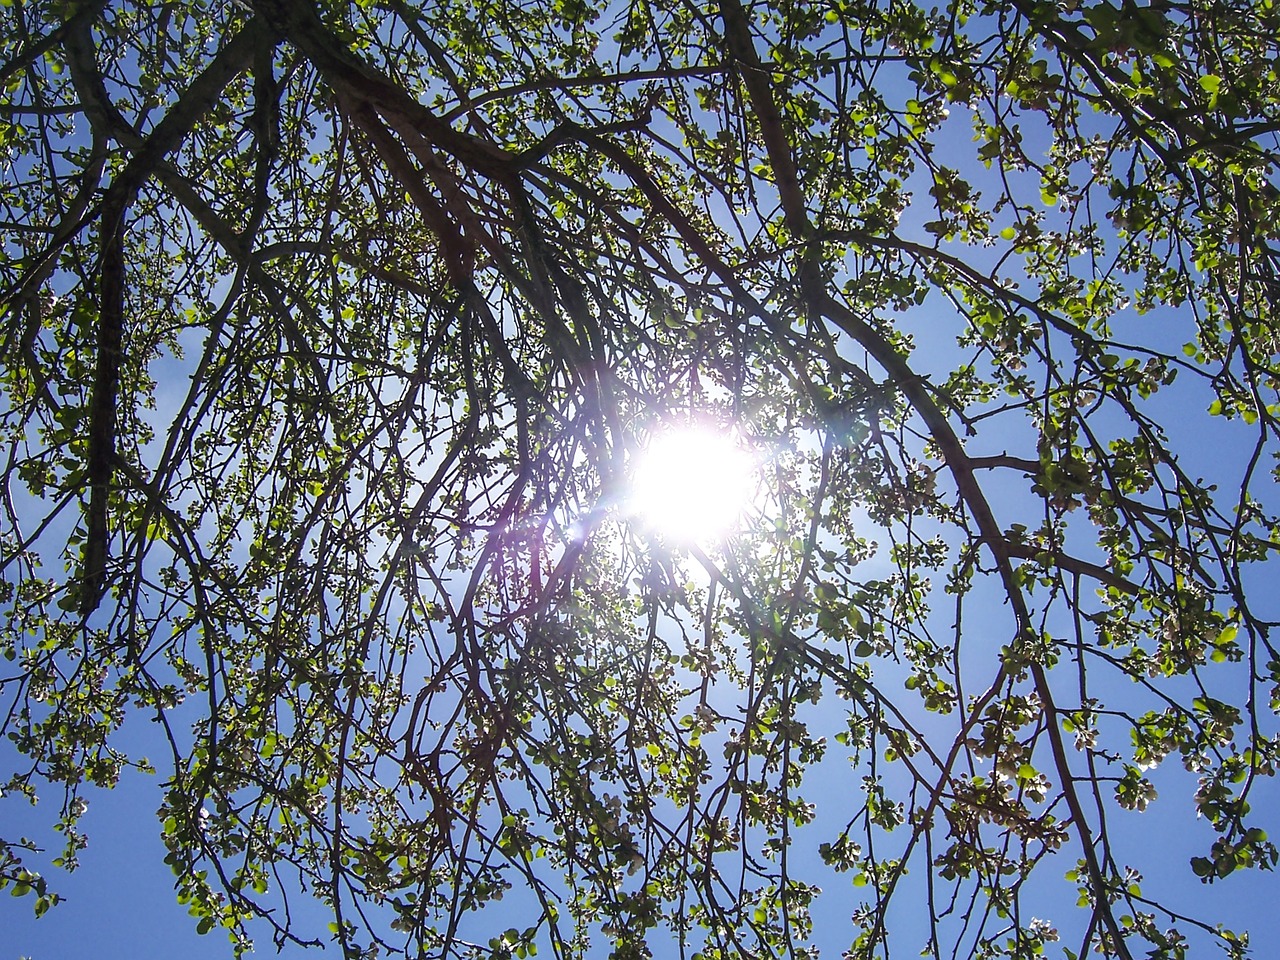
(120, 903)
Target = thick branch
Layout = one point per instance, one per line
(102, 406)
(358, 80)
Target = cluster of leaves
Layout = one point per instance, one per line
(332, 332)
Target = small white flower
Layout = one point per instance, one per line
(1044, 930)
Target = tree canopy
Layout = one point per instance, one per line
(333, 334)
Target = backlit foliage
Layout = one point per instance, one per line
(332, 333)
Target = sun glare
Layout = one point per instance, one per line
(691, 485)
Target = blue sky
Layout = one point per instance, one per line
(120, 902)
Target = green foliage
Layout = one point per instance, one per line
(332, 332)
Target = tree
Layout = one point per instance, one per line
(333, 333)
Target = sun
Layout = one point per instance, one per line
(692, 484)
